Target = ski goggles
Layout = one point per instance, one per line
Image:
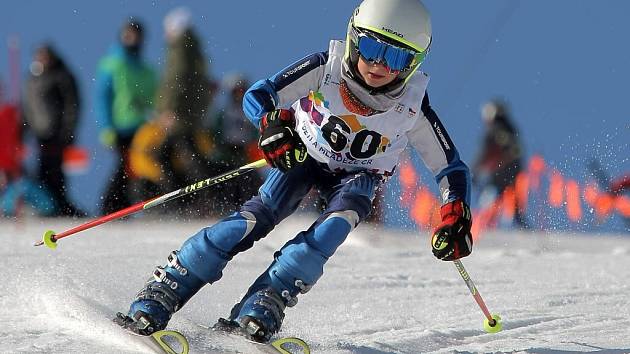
(395, 58)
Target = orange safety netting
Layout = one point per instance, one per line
(562, 193)
(574, 208)
(425, 209)
(556, 189)
(622, 204)
(522, 190)
(508, 205)
(408, 180)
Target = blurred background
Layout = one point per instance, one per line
(532, 92)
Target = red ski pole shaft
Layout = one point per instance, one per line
(88, 225)
(473, 290)
(50, 238)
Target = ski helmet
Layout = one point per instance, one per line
(404, 24)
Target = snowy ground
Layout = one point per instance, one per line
(383, 292)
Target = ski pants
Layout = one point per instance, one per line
(300, 262)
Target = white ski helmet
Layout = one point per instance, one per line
(402, 23)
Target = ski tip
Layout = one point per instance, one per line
(48, 240)
(171, 342)
(494, 327)
(281, 345)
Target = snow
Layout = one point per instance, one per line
(383, 292)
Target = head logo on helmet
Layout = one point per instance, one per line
(389, 30)
(401, 23)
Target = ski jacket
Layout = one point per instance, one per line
(342, 140)
(185, 88)
(501, 147)
(125, 92)
(146, 146)
(51, 105)
(11, 149)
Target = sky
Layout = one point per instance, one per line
(382, 292)
(561, 65)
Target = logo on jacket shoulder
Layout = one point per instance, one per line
(296, 69)
(411, 112)
(399, 107)
(439, 133)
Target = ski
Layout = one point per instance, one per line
(283, 345)
(165, 342)
(173, 342)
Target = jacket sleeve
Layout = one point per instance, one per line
(104, 96)
(71, 102)
(430, 139)
(38, 115)
(285, 87)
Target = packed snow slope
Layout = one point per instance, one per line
(383, 292)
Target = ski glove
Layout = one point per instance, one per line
(452, 239)
(279, 141)
(107, 137)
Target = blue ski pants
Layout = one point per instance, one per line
(301, 260)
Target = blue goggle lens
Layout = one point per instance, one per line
(395, 58)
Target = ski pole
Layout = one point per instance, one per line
(492, 323)
(50, 237)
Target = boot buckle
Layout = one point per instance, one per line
(160, 275)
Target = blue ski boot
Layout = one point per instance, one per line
(164, 294)
(261, 312)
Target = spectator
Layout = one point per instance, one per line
(182, 103)
(162, 165)
(184, 92)
(11, 137)
(500, 158)
(126, 87)
(15, 188)
(51, 112)
(158, 164)
(620, 186)
(612, 187)
(233, 133)
(236, 144)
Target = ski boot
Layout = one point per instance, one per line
(163, 294)
(260, 317)
(260, 314)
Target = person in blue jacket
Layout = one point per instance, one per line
(126, 88)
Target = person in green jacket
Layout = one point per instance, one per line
(126, 87)
(185, 89)
(182, 102)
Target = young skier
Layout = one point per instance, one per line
(336, 121)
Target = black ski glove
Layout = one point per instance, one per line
(452, 238)
(279, 142)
